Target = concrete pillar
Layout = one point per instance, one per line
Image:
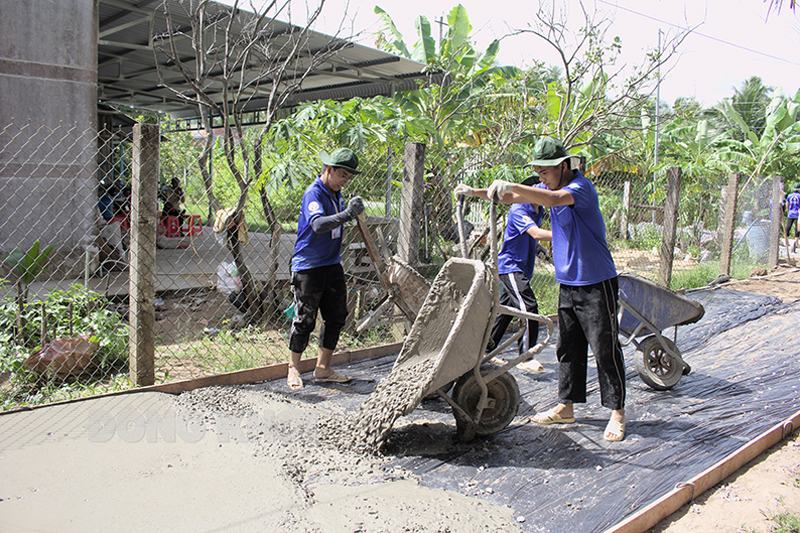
(144, 217)
(626, 208)
(776, 217)
(48, 122)
(411, 203)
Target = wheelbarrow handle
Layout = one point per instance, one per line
(462, 238)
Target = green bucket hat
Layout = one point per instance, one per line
(548, 152)
(343, 158)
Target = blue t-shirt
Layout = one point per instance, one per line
(312, 250)
(793, 205)
(518, 253)
(580, 252)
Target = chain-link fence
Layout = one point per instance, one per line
(118, 266)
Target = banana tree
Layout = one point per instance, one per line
(26, 267)
(458, 74)
(775, 151)
(459, 77)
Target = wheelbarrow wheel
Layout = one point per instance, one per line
(655, 366)
(500, 411)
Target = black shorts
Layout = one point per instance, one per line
(320, 289)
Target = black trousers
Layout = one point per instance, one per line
(517, 293)
(320, 289)
(790, 224)
(587, 316)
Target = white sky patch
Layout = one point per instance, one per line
(732, 39)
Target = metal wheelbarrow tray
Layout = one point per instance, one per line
(647, 308)
(444, 353)
(446, 349)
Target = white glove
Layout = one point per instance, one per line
(463, 190)
(499, 189)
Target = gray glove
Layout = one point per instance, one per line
(354, 207)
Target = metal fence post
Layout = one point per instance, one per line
(389, 162)
(626, 208)
(411, 202)
(731, 195)
(670, 225)
(144, 212)
(776, 217)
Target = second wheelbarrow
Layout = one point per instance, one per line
(647, 308)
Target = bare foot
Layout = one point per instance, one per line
(293, 379)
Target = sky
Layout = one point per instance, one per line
(732, 39)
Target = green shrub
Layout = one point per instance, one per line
(89, 315)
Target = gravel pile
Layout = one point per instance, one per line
(309, 443)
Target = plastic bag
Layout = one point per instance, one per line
(229, 280)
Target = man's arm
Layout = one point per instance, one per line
(540, 234)
(523, 194)
(323, 224)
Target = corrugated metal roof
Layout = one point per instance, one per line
(132, 71)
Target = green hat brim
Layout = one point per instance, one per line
(531, 180)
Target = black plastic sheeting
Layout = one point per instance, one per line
(745, 359)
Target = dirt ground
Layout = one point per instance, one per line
(768, 486)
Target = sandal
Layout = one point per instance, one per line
(333, 378)
(551, 417)
(615, 431)
(533, 366)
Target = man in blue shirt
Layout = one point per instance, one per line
(792, 212)
(588, 291)
(317, 274)
(515, 263)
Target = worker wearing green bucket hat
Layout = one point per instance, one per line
(318, 280)
(587, 280)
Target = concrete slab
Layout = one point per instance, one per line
(130, 463)
(184, 268)
(196, 265)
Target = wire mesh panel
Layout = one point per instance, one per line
(60, 334)
(122, 265)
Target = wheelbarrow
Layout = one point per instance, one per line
(449, 338)
(646, 309)
(404, 286)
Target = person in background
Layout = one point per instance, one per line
(515, 263)
(588, 286)
(317, 275)
(173, 196)
(792, 204)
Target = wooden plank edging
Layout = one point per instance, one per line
(238, 377)
(267, 373)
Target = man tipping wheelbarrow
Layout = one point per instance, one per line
(585, 270)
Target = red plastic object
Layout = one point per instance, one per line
(192, 225)
(169, 226)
